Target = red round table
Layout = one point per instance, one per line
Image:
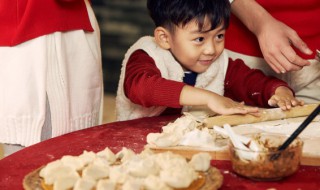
(131, 134)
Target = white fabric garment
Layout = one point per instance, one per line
(212, 79)
(305, 83)
(64, 67)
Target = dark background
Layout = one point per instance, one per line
(122, 22)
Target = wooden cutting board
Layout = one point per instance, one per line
(188, 152)
(266, 115)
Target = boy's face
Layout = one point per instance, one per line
(196, 50)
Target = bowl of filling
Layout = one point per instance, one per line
(261, 160)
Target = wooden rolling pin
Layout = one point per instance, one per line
(266, 115)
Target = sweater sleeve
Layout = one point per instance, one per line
(250, 85)
(145, 86)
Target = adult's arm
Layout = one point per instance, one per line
(275, 38)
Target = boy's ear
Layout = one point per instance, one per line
(162, 37)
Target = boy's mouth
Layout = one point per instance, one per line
(206, 62)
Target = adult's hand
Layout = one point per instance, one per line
(276, 42)
(318, 55)
(276, 39)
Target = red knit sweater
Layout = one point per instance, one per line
(22, 20)
(144, 85)
(302, 16)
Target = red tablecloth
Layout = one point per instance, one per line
(130, 134)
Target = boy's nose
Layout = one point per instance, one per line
(209, 49)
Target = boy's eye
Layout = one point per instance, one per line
(220, 36)
(200, 39)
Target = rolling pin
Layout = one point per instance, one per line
(266, 115)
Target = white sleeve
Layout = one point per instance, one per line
(231, 1)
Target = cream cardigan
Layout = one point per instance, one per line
(65, 69)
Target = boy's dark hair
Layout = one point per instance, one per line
(170, 13)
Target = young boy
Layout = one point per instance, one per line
(185, 64)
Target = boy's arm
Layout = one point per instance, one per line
(145, 86)
(252, 86)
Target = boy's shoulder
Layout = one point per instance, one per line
(237, 63)
(140, 54)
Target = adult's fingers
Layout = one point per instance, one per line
(286, 63)
(297, 42)
(294, 62)
(318, 55)
(274, 64)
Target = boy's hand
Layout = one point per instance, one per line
(226, 106)
(191, 96)
(284, 99)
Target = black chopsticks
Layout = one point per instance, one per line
(294, 135)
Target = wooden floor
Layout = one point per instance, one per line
(1, 151)
(109, 114)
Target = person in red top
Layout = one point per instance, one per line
(185, 64)
(50, 70)
(281, 38)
